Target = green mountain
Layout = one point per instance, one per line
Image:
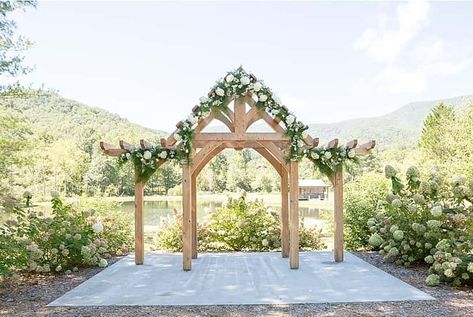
(56, 117)
(401, 127)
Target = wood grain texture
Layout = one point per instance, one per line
(294, 215)
(139, 223)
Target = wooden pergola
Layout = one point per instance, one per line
(273, 146)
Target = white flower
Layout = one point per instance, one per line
(262, 98)
(257, 86)
(203, 99)
(305, 134)
(290, 119)
(274, 112)
(177, 137)
(103, 263)
(436, 211)
(58, 268)
(128, 156)
(245, 80)
(229, 78)
(97, 227)
(220, 92)
(163, 154)
(327, 155)
(147, 155)
(351, 153)
(264, 242)
(314, 155)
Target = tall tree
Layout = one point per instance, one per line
(11, 44)
(435, 140)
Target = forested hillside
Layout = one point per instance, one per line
(398, 128)
(58, 141)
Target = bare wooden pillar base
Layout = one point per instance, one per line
(294, 215)
(186, 218)
(338, 214)
(194, 216)
(284, 215)
(139, 225)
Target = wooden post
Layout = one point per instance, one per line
(338, 214)
(284, 215)
(139, 225)
(194, 215)
(294, 215)
(186, 218)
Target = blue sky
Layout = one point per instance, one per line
(328, 61)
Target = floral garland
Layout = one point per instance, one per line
(237, 83)
(327, 160)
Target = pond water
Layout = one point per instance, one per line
(154, 211)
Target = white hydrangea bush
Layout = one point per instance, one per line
(427, 220)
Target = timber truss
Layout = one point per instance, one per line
(273, 146)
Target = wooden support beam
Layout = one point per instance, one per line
(365, 148)
(220, 117)
(126, 146)
(145, 145)
(162, 142)
(352, 144)
(274, 149)
(315, 142)
(110, 150)
(332, 144)
(294, 215)
(194, 215)
(278, 166)
(284, 214)
(204, 155)
(239, 122)
(139, 223)
(256, 136)
(338, 214)
(249, 144)
(186, 218)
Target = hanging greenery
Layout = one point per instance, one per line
(238, 83)
(328, 160)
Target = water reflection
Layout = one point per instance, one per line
(157, 210)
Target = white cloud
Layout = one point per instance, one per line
(410, 56)
(383, 43)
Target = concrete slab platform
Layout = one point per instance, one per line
(239, 278)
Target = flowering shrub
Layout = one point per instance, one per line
(62, 241)
(238, 226)
(428, 220)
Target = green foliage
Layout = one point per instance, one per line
(238, 226)
(14, 143)
(12, 45)
(361, 197)
(447, 139)
(427, 219)
(62, 240)
(327, 160)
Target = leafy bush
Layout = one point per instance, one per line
(117, 226)
(428, 220)
(240, 225)
(61, 241)
(362, 196)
